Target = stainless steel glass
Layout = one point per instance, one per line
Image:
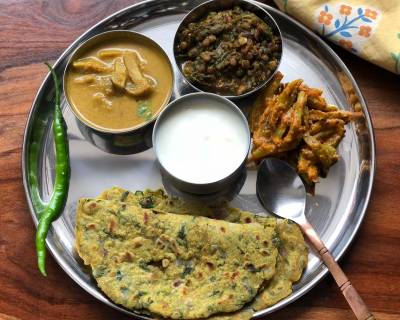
(337, 209)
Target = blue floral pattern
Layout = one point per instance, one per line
(348, 26)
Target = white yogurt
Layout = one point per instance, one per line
(202, 140)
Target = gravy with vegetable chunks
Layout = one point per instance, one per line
(118, 84)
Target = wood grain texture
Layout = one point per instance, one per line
(34, 31)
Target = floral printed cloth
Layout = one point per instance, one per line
(367, 28)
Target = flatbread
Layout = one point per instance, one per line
(174, 265)
(291, 260)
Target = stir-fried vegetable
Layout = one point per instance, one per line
(293, 121)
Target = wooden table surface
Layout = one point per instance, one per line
(34, 31)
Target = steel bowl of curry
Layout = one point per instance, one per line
(228, 47)
(116, 84)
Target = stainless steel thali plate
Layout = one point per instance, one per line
(336, 210)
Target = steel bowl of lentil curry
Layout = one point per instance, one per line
(228, 47)
(116, 83)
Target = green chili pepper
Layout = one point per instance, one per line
(53, 209)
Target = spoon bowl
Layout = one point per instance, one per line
(280, 190)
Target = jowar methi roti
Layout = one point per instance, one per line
(178, 266)
(122, 277)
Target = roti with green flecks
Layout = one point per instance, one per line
(293, 254)
(176, 266)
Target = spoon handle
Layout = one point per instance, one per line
(350, 293)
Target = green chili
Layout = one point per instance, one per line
(62, 174)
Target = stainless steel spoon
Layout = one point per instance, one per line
(282, 192)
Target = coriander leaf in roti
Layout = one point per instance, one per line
(174, 265)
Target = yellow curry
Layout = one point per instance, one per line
(119, 84)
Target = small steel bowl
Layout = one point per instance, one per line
(226, 194)
(218, 5)
(170, 180)
(129, 141)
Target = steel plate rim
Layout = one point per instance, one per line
(294, 296)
